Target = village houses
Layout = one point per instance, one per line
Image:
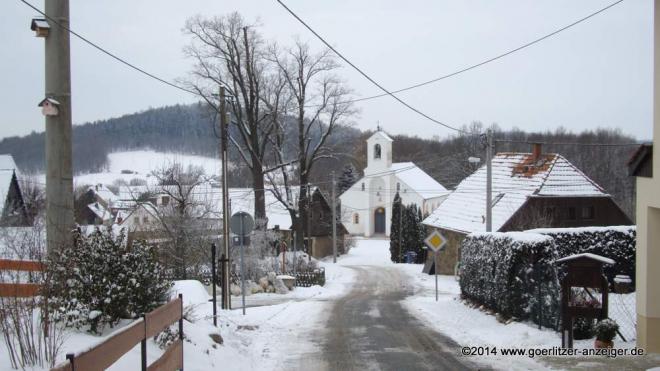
(530, 190)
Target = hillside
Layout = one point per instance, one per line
(188, 129)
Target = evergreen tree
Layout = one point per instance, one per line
(395, 231)
(421, 237)
(347, 178)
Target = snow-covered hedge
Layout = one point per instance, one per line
(616, 243)
(502, 271)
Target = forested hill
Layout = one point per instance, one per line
(189, 129)
(183, 128)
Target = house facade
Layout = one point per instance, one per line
(366, 207)
(320, 237)
(530, 190)
(648, 222)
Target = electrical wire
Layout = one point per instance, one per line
(489, 60)
(387, 92)
(570, 144)
(112, 55)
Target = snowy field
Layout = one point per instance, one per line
(142, 163)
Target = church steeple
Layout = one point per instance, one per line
(379, 152)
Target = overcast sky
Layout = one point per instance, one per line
(597, 74)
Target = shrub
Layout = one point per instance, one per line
(512, 273)
(583, 328)
(98, 280)
(606, 330)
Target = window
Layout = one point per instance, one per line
(587, 212)
(356, 218)
(320, 214)
(398, 187)
(165, 200)
(571, 214)
(363, 186)
(377, 151)
(145, 220)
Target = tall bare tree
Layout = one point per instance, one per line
(308, 95)
(230, 52)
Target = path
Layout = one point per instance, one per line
(368, 329)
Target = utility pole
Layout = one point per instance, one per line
(226, 284)
(309, 222)
(489, 180)
(59, 173)
(334, 219)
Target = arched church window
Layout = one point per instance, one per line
(398, 187)
(377, 151)
(356, 218)
(363, 186)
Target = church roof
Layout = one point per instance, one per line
(383, 135)
(418, 181)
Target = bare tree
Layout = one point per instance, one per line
(308, 95)
(180, 210)
(230, 52)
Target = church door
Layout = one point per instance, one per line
(379, 217)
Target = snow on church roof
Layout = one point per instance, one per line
(418, 180)
(516, 176)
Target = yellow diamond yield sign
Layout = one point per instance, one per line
(435, 241)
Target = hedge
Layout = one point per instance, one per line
(616, 243)
(501, 271)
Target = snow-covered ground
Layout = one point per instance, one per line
(141, 164)
(277, 336)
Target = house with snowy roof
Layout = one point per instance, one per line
(93, 206)
(366, 207)
(529, 190)
(14, 212)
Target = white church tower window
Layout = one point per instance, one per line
(377, 151)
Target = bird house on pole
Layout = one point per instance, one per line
(584, 291)
(49, 107)
(40, 26)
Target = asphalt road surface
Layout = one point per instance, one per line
(368, 329)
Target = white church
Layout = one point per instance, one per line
(366, 207)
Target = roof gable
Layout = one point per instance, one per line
(516, 177)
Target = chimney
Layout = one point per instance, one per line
(536, 151)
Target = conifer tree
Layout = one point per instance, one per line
(395, 230)
(347, 178)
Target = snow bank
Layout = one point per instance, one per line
(193, 292)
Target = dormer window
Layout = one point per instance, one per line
(377, 151)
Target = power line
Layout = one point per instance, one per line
(569, 143)
(387, 92)
(119, 59)
(489, 60)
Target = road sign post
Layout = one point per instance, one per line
(436, 242)
(242, 224)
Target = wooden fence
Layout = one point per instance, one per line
(19, 290)
(111, 349)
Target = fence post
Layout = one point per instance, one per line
(181, 329)
(143, 343)
(71, 357)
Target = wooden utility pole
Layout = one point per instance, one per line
(489, 180)
(224, 133)
(334, 219)
(59, 172)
